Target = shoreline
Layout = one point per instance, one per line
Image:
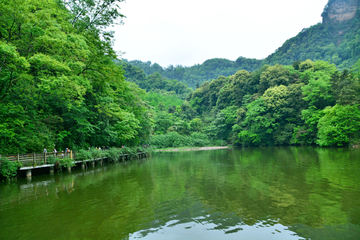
(191, 149)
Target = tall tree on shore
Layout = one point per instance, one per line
(59, 84)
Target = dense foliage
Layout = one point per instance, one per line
(154, 81)
(8, 169)
(336, 42)
(197, 74)
(304, 103)
(59, 86)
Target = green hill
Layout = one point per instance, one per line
(336, 42)
(199, 73)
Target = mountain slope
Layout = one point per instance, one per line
(333, 40)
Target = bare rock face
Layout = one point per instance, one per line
(340, 10)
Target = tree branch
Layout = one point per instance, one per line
(3, 64)
(7, 88)
(10, 30)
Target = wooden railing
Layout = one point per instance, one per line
(33, 159)
(37, 159)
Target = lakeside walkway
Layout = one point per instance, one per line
(34, 161)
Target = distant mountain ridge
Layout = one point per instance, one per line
(199, 73)
(336, 39)
(340, 10)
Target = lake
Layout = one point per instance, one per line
(247, 193)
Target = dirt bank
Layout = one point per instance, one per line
(190, 149)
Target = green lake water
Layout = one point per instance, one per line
(249, 193)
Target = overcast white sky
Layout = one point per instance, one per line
(187, 32)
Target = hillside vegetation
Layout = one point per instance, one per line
(59, 86)
(303, 103)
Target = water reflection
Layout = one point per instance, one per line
(195, 230)
(212, 225)
(250, 193)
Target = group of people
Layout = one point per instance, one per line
(67, 151)
(101, 148)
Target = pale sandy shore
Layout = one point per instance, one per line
(190, 149)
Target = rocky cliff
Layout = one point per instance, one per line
(340, 10)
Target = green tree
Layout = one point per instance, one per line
(275, 97)
(214, 89)
(306, 65)
(217, 129)
(345, 87)
(234, 89)
(163, 121)
(161, 106)
(340, 125)
(273, 76)
(258, 126)
(318, 91)
(94, 15)
(196, 124)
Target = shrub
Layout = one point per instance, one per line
(96, 153)
(52, 160)
(66, 162)
(84, 155)
(220, 143)
(339, 126)
(113, 154)
(130, 151)
(174, 139)
(8, 168)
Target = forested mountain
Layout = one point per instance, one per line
(59, 86)
(336, 39)
(197, 74)
(154, 81)
(304, 103)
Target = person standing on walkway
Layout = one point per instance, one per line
(66, 152)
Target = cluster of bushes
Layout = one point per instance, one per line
(8, 169)
(112, 154)
(174, 139)
(65, 162)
